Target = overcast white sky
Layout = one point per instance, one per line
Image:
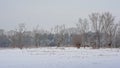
(48, 13)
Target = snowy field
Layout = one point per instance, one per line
(60, 58)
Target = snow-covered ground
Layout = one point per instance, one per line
(60, 58)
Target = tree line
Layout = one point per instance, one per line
(100, 30)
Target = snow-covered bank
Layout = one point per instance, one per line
(60, 58)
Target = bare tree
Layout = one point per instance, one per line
(59, 34)
(109, 27)
(112, 34)
(19, 35)
(13, 38)
(36, 36)
(104, 23)
(97, 27)
(77, 40)
(83, 28)
(118, 36)
(3, 39)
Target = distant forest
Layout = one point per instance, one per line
(99, 30)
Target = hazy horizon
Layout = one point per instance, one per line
(48, 13)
